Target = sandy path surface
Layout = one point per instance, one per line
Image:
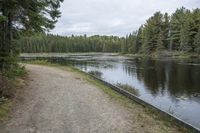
(59, 101)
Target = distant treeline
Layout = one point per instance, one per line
(178, 32)
(53, 43)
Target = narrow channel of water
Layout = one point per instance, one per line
(173, 86)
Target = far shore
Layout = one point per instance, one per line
(159, 55)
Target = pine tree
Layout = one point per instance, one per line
(175, 28)
(139, 39)
(185, 37)
(165, 29)
(151, 31)
(31, 15)
(160, 41)
(197, 42)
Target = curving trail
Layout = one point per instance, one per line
(59, 101)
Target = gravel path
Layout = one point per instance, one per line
(59, 101)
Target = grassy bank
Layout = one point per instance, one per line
(142, 113)
(10, 82)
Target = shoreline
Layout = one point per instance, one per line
(174, 55)
(177, 56)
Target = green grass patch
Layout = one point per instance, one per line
(39, 62)
(5, 106)
(17, 71)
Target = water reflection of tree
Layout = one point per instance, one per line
(184, 79)
(153, 76)
(160, 76)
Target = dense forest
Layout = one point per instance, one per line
(52, 43)
(178, 32)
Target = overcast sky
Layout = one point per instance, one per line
(112, 17)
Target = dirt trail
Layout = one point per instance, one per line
(59, 101)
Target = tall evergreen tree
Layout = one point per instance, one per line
(165, 30)
(139, 39)
(23, 15)
(197, 42)
(185, 36)
(175, 28)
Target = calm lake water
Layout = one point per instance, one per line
(173, 86)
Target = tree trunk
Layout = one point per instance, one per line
(10, 33)
(6, 36)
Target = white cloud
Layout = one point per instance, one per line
(117, 17)
(80, 27)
